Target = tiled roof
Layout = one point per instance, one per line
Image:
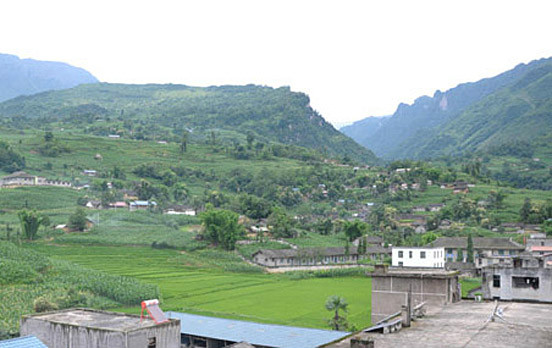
(541, 248)
(257, 334)
(478, 243)
(23, 342)
(279, 253)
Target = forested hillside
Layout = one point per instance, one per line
(166, 112)
(28, 76)
(471, 116)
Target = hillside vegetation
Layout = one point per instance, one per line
(479, 116)
(167, 112)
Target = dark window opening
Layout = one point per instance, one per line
(400, 263)
(525, 282)
(152, 342)
(422, 254)
(400, 254)
(496, 281)
(410, 254)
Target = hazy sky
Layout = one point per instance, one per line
(354, 58)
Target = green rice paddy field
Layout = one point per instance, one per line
(212, 291)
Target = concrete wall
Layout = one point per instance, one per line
(507, 290)
(412, 257)
(313, 261)
(389, 293)
(56, 335)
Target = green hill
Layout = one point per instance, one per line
(164, 111)
(471, 116)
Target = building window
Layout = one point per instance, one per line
(400, 254)
(501, 252)
(400, 263)
(496, 280)
(152, 342)
(422, 254)
(525, 282)
(410, 254)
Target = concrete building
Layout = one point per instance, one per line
(390, 287)
(487, 251)
(86, 328)
(209, 332)
(317, 256)
(420, 257)
(527, 278)
(24, 179)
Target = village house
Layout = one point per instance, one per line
(369, 240)
(486, 251)
(89, 172)
(527, 278)
(118, 205)
(460, 187)
(141, 205)
(416, 222)
(317, 256)
(180, 210)
(421, 257)
(113, 136)
(94, 204)
(23, 179)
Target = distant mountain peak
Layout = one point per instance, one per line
(28, 76)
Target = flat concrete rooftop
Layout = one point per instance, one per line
(464, 324)
(415, 272)
(96, 319)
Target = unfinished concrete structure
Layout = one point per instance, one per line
(527, 278)
(390, 288)
(487, 251)
(86, 328)
(467, 324)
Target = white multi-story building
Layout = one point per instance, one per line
(418, 257)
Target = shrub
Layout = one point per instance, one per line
(42, 304)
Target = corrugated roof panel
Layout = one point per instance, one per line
(22, 342)
(277, 336)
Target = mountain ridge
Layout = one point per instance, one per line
(400, 136)
(275, 114)
(29, 76)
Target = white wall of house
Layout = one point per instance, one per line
(418, 257)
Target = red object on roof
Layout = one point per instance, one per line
(154, 312)
(541, 248)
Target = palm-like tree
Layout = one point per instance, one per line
(336, 303)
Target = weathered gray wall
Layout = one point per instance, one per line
(506, 291)
(389, 293)
(56, 335)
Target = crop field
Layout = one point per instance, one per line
(202, 283)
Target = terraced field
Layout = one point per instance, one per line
(198, 283)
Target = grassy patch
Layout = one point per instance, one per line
(210, 290)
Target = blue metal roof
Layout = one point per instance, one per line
(268, 335)
(22, 342)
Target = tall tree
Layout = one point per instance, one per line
(470, 248)
(30, 222)
(77, 220)
(525, 210)
(221, 227)
(184, 142)
(335, 304)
